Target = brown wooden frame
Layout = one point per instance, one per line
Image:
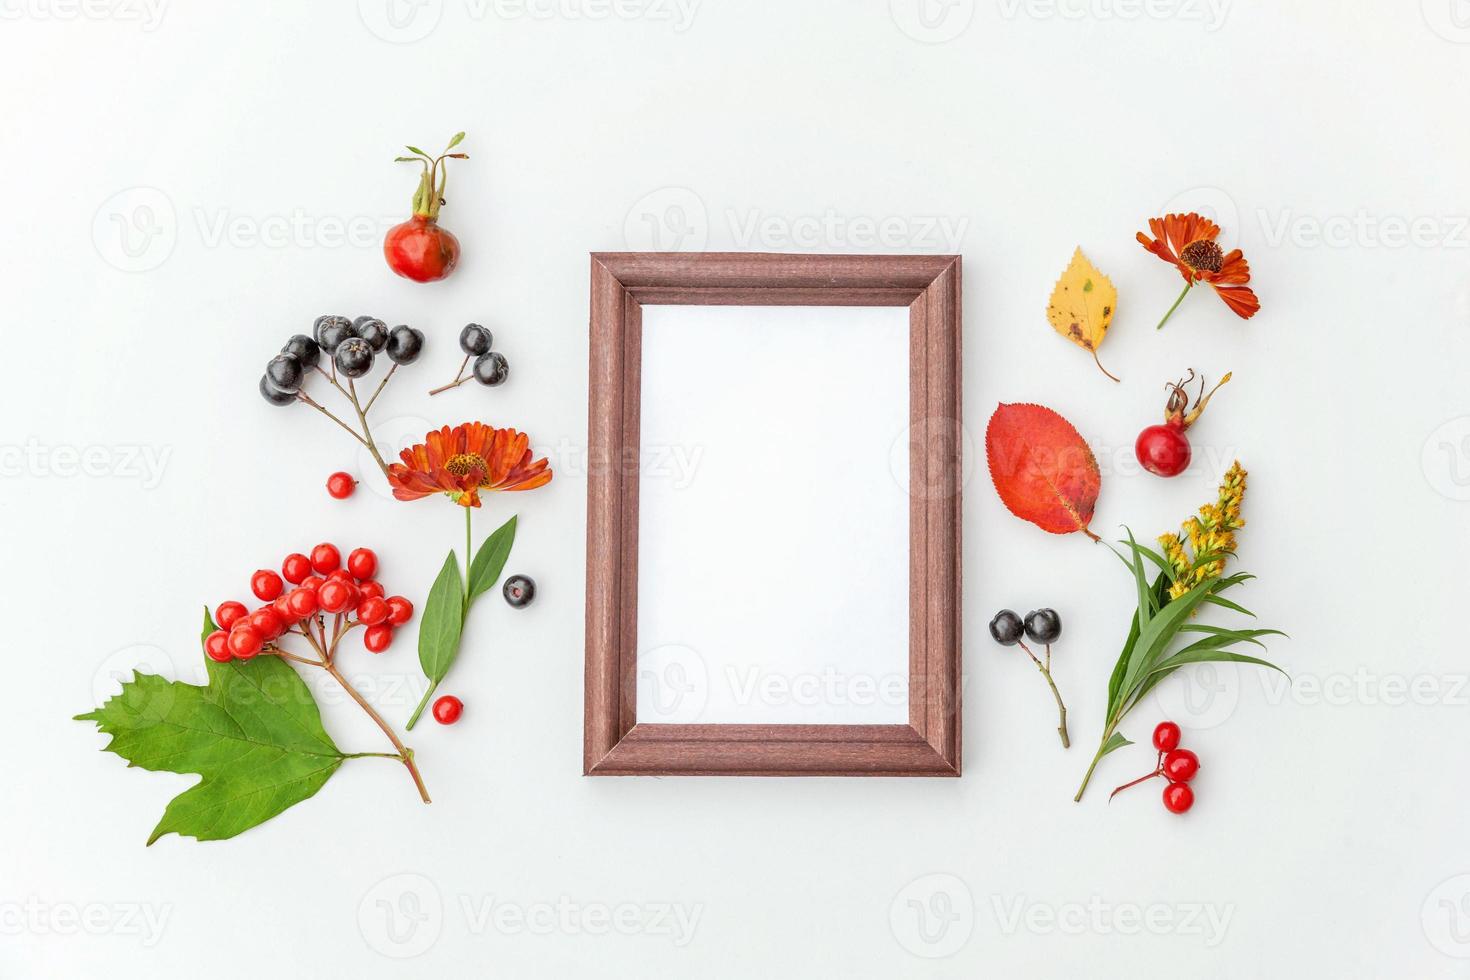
(622, 283)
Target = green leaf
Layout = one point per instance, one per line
(414, 149)
(254, 734)
(1226, 603)
(1146, 607)
(442, 621)
(491, 558)
(1184, 657)
(1115, 741)
(458, 137)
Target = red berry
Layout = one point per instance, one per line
(377, 638)
(400, 610)
(341, 575)
(1166, 736)
(362, 563)
(312, 582)
(372, 611)
(283, 608)
(217, 646)
(334, 595)
(448, 709)
(372, 587)
(296, 568)
(267, 622)
(1180, 765)
(266, 584)
(1178, 797)
(244, 642)
(1163, 449)
(341, 485)
(325, 558)
(302, 602)
(228, 613)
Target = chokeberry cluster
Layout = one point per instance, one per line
(1041, 626)
(321, 585)
(1178, 766)
(490, 368)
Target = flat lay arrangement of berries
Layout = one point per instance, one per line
(1177, 766)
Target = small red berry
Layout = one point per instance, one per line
(302, 602)
(244, 642)
(341, 574)
(266, 584)
(362, 563)
(377, 638)
(217, 646)
(372, 611)
(448, 709)
(325, 558)
(267, 622)
(341, 485)
(1180, 765)
(335, 595)
(372, 587)
(283, 608)
(400, 610)
(1178, 797)
(312, 582)
(296, 568)
(228, 613)
(1163, 449)
(1166, 736)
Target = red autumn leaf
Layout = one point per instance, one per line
(1042, 469)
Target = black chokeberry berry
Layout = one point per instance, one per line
(474, 339)
(1006, 628)
(358, 321)
(354, 357)
(284, 372)
(405, 344)
(373, 330)
(519, 590)
(305, 349)
(491, 369)
(273, 394)
(1043, 625)
(331, 331)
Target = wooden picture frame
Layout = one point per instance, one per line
(929, 286)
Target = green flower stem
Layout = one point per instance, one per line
(1107, 734)
(1061, 708)
(1187, 287)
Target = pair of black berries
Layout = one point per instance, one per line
(353, 345)
(1039, 626)
(490, 367)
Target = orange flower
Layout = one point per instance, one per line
(464, 460)
(1187, 241)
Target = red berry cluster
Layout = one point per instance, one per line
(1176, 765)
(321, 583)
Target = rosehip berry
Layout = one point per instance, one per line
(448, 709)
(372, 587)
(266, 585)
(372, 611)
(400, 610)
(325, 558)
(217, 646)
(244, 642)
(341, 485)
(302, 602)
(228, 613)
(1180, 765)
(267, 622)
(334, 595)
(362, 563)
(1166, 736)
(377, 638)
(296, 568)
(1178, 797)
(1163, 449)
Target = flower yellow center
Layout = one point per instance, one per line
(465, 464)
(1203, 256)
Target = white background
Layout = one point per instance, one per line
(1329, 833)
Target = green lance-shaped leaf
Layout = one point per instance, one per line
(254, 734)
(491, 558)
(442, 621)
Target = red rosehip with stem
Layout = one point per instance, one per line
(1163, 449)
(419, 249)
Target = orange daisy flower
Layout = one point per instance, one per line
(464, 460)
(1187, 241)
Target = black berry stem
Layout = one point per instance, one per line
(381, 385)
(459, 377)
(350, 431)
(1061, 708)
(362, 420)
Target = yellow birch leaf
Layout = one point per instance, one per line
(1082, 305)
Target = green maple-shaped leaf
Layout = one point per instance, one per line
(254, 734)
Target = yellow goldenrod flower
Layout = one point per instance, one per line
(1210, 534)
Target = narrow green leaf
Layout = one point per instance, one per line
(1115, 741)
(455, 142)
(491, 558)
(1146, 608)
(442, 621)
(1226, 603)
(414, 149)
(1185, 657)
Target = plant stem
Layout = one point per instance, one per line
(1107, 734)
(381, 385)
(367, 439)
(1103, 369)
(1061, 708)
(1187, 287)
(350, 431)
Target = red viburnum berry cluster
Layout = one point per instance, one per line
(1176, 765)
(321, 586)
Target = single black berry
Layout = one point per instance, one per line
(284, 372)
(358, 321)
(1043, 625)
(273, 394)
(331, 331)
(491, 369)
(373, 330)
(519, 590)
(305, 349)
(1006, 628)
(405, 344)
(474, 339)
(354, 357)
